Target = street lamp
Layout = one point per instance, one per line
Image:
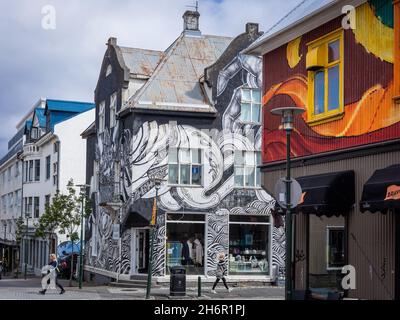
(157, 184)
(83, 193)
(287, 114)
(27, 216)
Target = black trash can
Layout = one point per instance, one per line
(178, 281)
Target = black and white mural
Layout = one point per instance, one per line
(143, 152)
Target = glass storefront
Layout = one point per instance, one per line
(249, 245)
(185, 242)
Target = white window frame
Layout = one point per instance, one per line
(270, 230)
(245, 167)
(328, 229)
(190, 163)
(113, 110)
(252, 102)
(102, 116)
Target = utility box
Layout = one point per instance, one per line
(178, 281)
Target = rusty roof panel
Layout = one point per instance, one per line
(141, 61)
(175, 82)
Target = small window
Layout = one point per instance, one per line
(36, 207)
(48, 167)
(113, 110)
(335, 247)
(108, 70)
(325, 78)
(37, 170)
(102, 117)
(55, 147)
(247, 173)
(185, 167)
(251, 106)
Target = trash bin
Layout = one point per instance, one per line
(178, 281)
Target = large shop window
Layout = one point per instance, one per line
(325, 78)
(335, 247)
(185, 167)
(251, 106)
(247, 173)
(185, 242)
(249, 245)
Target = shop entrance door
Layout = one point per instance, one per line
(139, 250)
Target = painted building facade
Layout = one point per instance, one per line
(342, 67)
(195, 123)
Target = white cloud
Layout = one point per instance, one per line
(64, 63)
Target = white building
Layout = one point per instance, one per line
(52, 153)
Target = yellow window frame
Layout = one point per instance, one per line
(326, 116)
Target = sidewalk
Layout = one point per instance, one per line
(20, 289)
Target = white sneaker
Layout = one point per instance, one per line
(213, 291)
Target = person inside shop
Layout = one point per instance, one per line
(198, 251)
(187, 251)
(221, 272)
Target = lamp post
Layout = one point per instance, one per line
(26, 244)
(83, 192)
(153, 224)
(287, 114)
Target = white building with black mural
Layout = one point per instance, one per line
(190, 115)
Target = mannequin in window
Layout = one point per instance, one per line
(198, 252)
(187, 251)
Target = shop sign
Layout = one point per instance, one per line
(393, 193)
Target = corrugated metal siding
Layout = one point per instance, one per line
(371, 237)
(367, 87)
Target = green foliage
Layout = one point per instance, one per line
(19, 230)
(64, 214)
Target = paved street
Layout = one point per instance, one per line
(20, 289)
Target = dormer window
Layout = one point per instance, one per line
(109, 70)
(34, 133)
(325, 78)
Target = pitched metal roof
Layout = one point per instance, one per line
(141, 61)
(175, 83)
(68, 106)
(39, 114)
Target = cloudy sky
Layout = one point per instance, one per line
(64, 63)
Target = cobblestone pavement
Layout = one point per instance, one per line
(20, 289)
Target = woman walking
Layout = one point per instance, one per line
(54, 265)
(221, 272)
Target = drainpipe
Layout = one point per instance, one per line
(396, 45)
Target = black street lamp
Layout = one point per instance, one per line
(153, 225)
(287, 114)
(83, 188)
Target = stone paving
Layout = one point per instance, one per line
(20, 289)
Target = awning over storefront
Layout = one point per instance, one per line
(382, 190)
(329, 194)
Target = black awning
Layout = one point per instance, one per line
(329, 194)
(382, 191)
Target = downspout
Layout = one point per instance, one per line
(396, 53)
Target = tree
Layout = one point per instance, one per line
(64, 214)
(19, 231)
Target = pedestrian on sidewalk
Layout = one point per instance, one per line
(221, 273)
(54, 270)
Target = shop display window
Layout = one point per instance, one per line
(249, 245)
(185, 242)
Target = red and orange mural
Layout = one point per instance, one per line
(370, 113)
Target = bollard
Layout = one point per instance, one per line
(26, 266)
(199, 286)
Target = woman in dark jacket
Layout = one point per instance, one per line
(53, 263)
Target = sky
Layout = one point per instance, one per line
(64, 62)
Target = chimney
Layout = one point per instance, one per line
(252, 28)
(191, 23)
(112, 41)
